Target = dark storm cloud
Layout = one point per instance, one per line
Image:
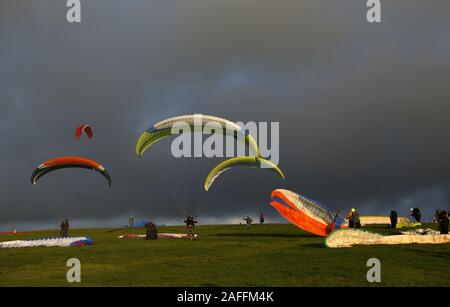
(363, 108)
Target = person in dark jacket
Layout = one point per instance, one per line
(190, 226)
(394, 218)
(357, 221)
(437, 213)
(151, 232)
(66, 228)
(415, 212)
(261, 219)
(353, 219)
(62, 226)
(248, 221)
(443, 221)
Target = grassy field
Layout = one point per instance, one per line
(228, 255)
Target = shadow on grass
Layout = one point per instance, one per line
(265, 235)
(313, 245)
(443, 255)
(125, 229)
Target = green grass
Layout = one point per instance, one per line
(224, 255)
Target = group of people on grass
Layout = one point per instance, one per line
(248, 220)
(441, 218)
(152, 232)
(352, 217)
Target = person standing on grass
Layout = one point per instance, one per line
(394, 218)
(248, 221)
(357, 221)
(353, 219)
(131, 222)
(261, 219)
(190, 226)
(437, 213)
(349, 219)
(151, 231)
(415, 212)
(338, 220)
(66, 228)
(443, 222)
(62, 226)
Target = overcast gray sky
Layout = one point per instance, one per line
(363, 108)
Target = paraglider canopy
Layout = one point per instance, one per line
(163, 129)
(68, 162)
(255, 162)
(83, 129)
(198, 124)
(305, 213)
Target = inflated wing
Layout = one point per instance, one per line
(68, 162)
(304, 213)
(249, 161)
(163, 129)
(83, 129)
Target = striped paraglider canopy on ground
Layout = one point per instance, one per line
(305, 213)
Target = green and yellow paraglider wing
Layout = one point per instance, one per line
(163, 129)
(149, 137)
(250, 161)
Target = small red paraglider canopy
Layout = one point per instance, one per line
(84, 128)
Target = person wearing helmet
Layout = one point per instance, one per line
(353, 219)
(349, 218)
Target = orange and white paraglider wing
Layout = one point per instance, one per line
(302, 212)
(68, 162)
